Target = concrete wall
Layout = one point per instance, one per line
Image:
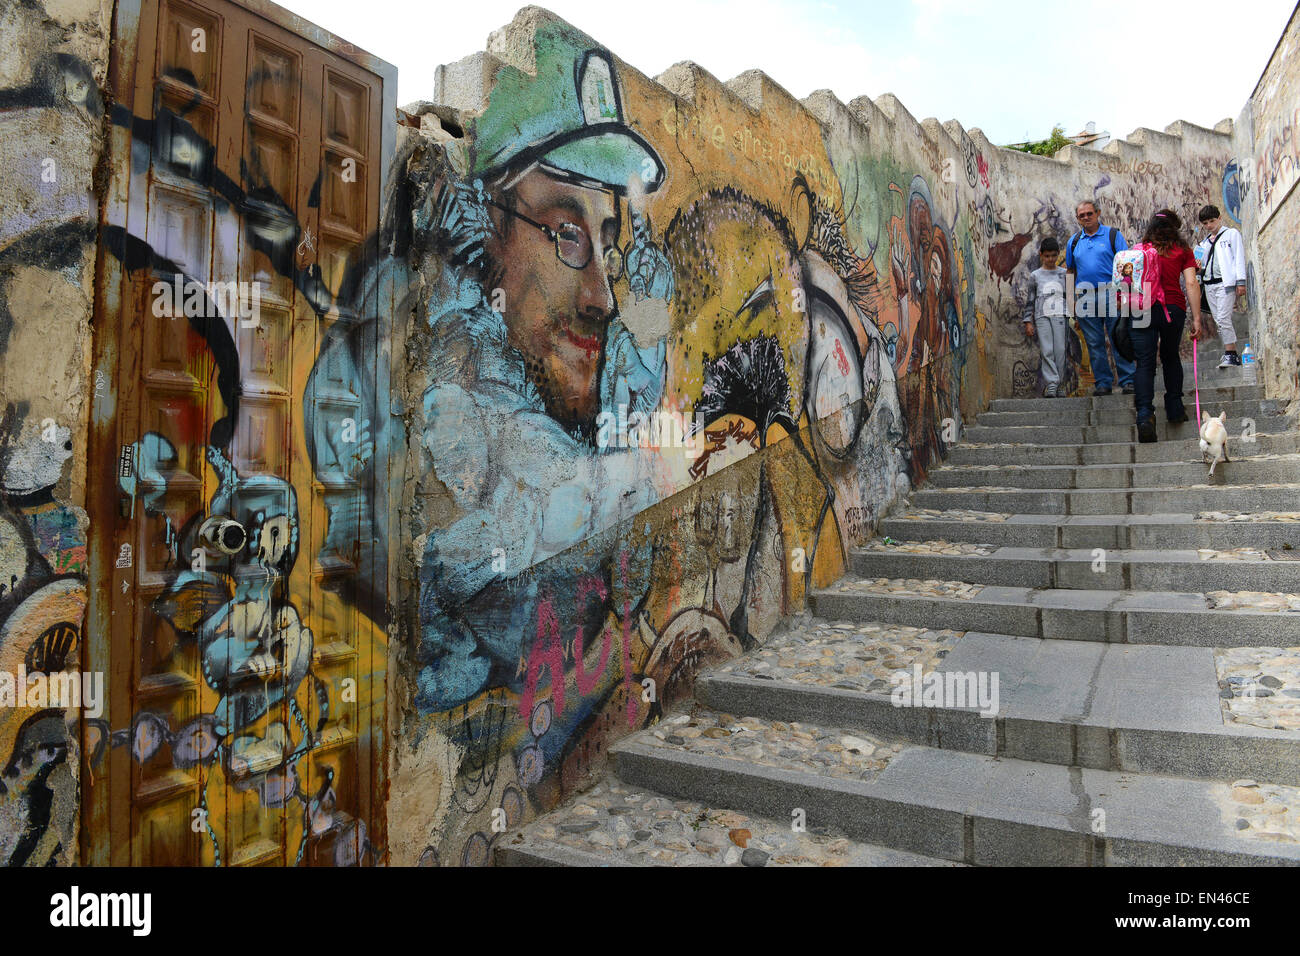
(53, 62)
(1272, 156)
(825, 291)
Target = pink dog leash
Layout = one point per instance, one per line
(1196, 387)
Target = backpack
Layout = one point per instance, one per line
(1074, 241)
(1135, 276)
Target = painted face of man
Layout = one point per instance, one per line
(558, 299)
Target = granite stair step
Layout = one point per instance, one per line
(968, 807)
(1086, 569)
(1116, 616)
(1190, 712)
(1141, 532)
(1281, 497)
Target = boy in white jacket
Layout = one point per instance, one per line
(1222, 254)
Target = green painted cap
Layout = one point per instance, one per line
(569, 117)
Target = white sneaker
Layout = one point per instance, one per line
(1049, 391)
(1226, 361)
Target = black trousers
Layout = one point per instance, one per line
(1160, 337)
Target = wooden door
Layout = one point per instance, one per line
(239, 514)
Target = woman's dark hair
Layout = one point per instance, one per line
(1164, 231)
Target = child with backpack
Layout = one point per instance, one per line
(1155, 300)
(1045, 313)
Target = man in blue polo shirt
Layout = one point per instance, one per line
(1088, 258)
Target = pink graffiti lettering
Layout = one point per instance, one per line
(587, 684)
(547, 651)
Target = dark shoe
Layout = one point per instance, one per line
(1127, 389)
(1178, 420)
(1101, 391)
(1147, 431)
(1230, 360)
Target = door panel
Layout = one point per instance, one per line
(246, 687)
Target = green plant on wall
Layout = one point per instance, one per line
(1046, 147)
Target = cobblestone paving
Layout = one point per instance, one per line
(929, 547)
(829, 752)
(953, 514)
(1261, 811)
(908, 586)
(618, 822)
(1260, 686)
(1006, 467)
(1252, 601)
(845, 655)
(1234, 554)
(970, 488)
(1248, 516)
(1253, 484)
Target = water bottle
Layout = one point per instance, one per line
(1248, 370)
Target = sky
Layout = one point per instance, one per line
(1013, 69)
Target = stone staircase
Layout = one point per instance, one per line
(1137, 617)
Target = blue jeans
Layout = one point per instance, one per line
(1095, 320)
(1159, 337)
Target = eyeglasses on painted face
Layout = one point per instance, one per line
(573, 246)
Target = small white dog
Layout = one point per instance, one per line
(1214, 439)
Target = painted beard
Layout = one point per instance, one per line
(567, 372)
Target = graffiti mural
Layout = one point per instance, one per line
(604, 264)
(1277, 164)
(248, 539)
(504, 418)
(42, 614)
(48, 100)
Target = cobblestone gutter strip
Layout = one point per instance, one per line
(955, 514)
(1260, 686)
(909, 586)
(830, 752)
(624, 824)
(929, 547)
(846, 655)
(1248, 515)
(1251, 601)
(1233, 554)
(1261, 811)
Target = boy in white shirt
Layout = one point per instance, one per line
(1222, 254)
